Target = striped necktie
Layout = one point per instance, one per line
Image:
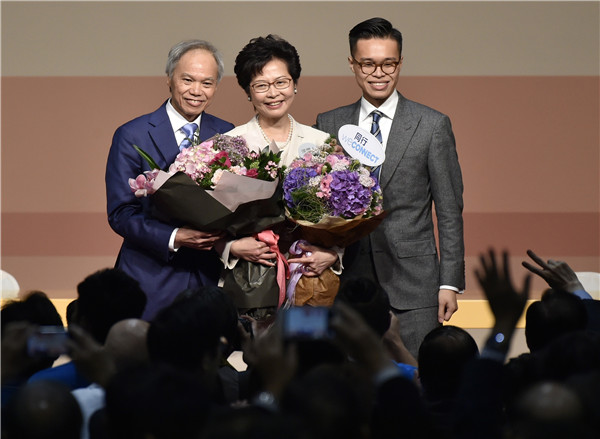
(375, 130)
(189, 129)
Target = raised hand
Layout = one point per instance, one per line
(507, 303)
(90, 358)
(557, 274)
(354, 336)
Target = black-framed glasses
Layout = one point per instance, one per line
(263, 86)
(369, 67)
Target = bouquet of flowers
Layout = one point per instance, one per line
(335, 201)
(218, 184)
(329, 194)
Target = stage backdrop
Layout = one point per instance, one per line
(520, 81)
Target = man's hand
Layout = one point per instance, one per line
(274, 361)
(90, 357)
(447, 305)
(558, 274)
(253, 250)
(196, 239)
(355, 337)
(315, 259)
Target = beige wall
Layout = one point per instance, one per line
(520, 81)
(441, 38)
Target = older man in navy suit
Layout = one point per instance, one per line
(421, 168)
(165, 258)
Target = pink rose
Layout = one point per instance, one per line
(252, 173)
(223, 158)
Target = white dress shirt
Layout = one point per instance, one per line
(177, 123)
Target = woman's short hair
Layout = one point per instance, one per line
(258, 52)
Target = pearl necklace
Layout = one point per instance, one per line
(291, 132)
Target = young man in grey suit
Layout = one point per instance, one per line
(421, 167)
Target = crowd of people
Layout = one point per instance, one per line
(171, 378)
(149, 341)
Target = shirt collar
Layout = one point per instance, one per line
(388, 108)
(176, 119)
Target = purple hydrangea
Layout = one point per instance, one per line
(235, 147)
(296, 179)
(349, 197)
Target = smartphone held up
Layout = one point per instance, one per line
(48, 341)
(306, 323)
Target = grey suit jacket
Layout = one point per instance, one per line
(421, 167)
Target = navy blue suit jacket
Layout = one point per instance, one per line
(145, 254)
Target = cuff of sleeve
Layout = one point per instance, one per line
(582, 294)
(228, 260)
(338, 267)
(448, 287)
(491, 354)
(172, 241)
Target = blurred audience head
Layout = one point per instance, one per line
(252, 422)
(126, 343)
(331, 401)
(70, 311)
(19, 318)
(369, 300)
(555, 314)
(157, 401)
(573, 353)
(443, 355)
(547, 410)
(35, 308)
(221, 304)
(106, 297)
(186, 335)
(42, 410)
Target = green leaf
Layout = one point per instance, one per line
(146, 157)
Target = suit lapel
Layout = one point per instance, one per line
(352, 115)
(403, 128)
(207, 127)
(161, 133)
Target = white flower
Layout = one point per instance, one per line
(216, 177)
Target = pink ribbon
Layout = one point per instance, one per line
(296, 268)
(283, 270)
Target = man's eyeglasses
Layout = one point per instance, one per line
(369, 67)
(263, 87)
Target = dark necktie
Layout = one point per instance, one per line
(189, 129)
(375, 130)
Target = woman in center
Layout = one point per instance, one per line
(268, 69)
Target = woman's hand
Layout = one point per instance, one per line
(253, 250)
(315, 259)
